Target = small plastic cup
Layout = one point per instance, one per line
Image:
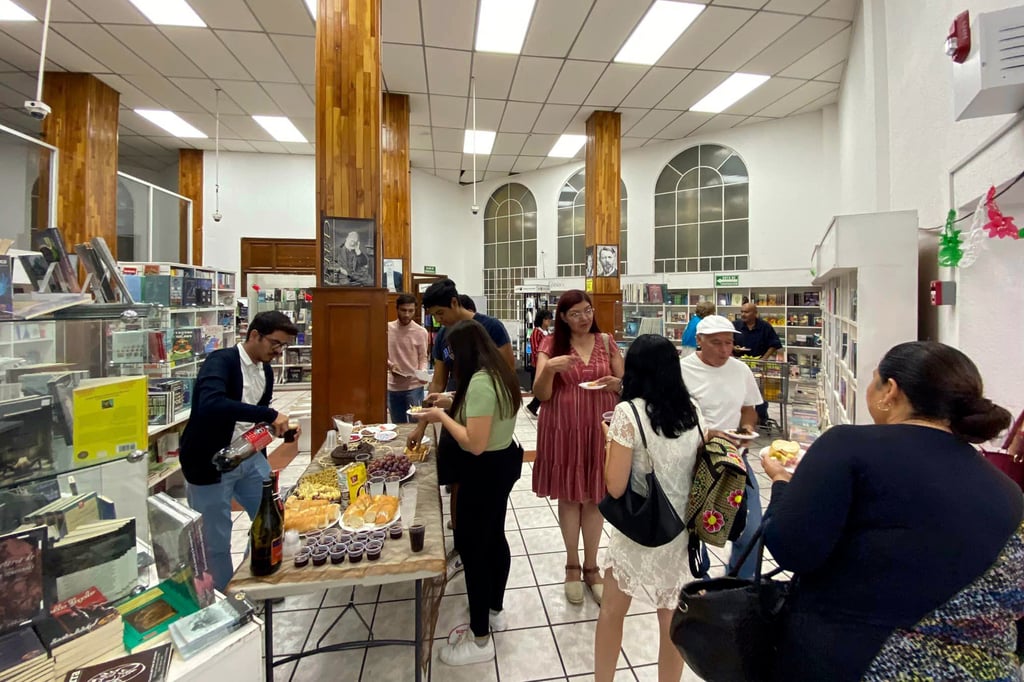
(392, 486)
(607, 417)
(311, 540)
(338, 554)
(417, 534)
(362, 536)
(377, 485)
(395, 532)
(363, 457)
(379, 534)
(302, 558)
(355, 552)
(373, 550)
(320, 557)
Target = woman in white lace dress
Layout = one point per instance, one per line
(654, 385)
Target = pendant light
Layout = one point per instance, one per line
(216, 164)
(475, 208)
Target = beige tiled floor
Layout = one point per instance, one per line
(548, 638)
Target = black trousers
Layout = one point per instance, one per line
(485, 482)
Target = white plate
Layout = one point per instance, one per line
(423, 375)
(354, 438)
(388, 427)
(370, 430)
(417, 414)
(590, 386)
(370, 526)
(385, 436)
(741, 436)
(765, 450)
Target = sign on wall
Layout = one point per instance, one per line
(727, 280)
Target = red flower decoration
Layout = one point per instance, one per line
(998, 225)
(309, 297)
(736, 498)
(255, 287)
(713, 521)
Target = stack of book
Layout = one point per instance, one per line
(69, 513)
(194, 633)
(144, 666)
(23, 658)
(100, 555)
(80, 631)
(178, 547)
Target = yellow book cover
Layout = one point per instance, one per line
(110, 419)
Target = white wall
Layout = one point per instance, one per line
(16, 189)
(444, 232)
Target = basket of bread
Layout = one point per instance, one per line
(370, 511)
(314, 502)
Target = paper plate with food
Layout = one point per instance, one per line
(388, 427)
(786, 452)
(741, 434)
(370, 512)
(592, 385)
(385, 436)
(415, 411)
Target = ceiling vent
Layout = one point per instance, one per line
(990, 82)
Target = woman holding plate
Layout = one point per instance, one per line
(481, 417)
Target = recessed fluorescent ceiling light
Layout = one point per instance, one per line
(11, 12)
(280, 128)
(664, 22)
(568, 145)
(484, 140)
(171, 122)
(169, 12)
(503, 25)
(311, 6)
(735, 88)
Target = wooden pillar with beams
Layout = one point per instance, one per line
(350, 352)
(603, 211)
(190, 184)
(83, 126)
(396, 192)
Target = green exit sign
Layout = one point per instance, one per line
(430, 269)
(727, 280)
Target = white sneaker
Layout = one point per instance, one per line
(454, 564)
(462, 648)
(497, 620)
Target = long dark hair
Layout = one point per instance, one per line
(653, 373)
(942, 383)
(563, 335)
(473, 350)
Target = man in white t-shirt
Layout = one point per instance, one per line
(727, 394)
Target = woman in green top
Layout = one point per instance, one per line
(482, 419)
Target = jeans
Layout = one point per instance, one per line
(213, 501)
(399, 403)
(484, 486)
(754, 514)
(762, 412)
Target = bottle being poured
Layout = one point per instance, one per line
(242, 448)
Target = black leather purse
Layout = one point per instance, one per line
(727, 628)
(650, 521)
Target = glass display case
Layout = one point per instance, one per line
(292, 295)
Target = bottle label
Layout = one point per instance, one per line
(276, 551)
(259, 437)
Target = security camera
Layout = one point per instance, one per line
(475, 209)
(217, 215)
(37, 110)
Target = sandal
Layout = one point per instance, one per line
(573, 588)
(595, 584)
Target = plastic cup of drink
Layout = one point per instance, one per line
(607, 417)
(320, 557)
(373, 550)
(377, 486)
(395, 532)
(417, 534)
(355, 552)
(407, 503)
(338, 554)
(378, 534)
(392, 485)
(331, 441)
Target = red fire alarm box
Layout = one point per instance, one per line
(943, 293)
(958, 42)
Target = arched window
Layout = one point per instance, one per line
(572, 258)
(510, 246)
(701, 212)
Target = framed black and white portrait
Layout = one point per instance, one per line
(607, 264)
(392, 281)
(347, 252)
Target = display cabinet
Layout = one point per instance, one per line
(291, 294)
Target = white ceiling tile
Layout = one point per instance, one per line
(448, 71)
(157, 50)
(488, 114)
(534, 76)
(802, 96)
(753, 120)
(509, 143)
(539, 145)
(693, 88)
(449, 23)
(102, 47)
(632, 142)
(615, 84)
(291, 98)
(311, 91)
(838, 9)
(419, 110)
(165, 93)
(824, 57)
(553, 161)
(283, 16)
(18, 54)
(420, 138)
(420, 158)
(718, 123)
(245, 127)
(231, 14)
(62, 10)
(575, 81)
(202, 47)
(448, 160)
(495, 175)
(687, 122)
(754, 36)
(400, 21)
(448, 112)
(519, 117)
(269, 147)
(6, 67)
(554, 118)
(801, 39)
(451, 176)
(554, 26)
(131, 96)
(493, 73)
(237, 146)
(448, 139)
(500, 162)
(772, 90)
(251, 98)
(22, 84)
(578, 123)
(630, 117)
(746, 4)
(111, 11)
(712, 27)
(833, 75)
(829, 98)
(651, 124)
(58, 49)
(204, 92)
(306, 126)
(300, 53)
(258, 54)
(606, 29)
(658, 82)
(404, 70)
(794, 6)
(524, 164)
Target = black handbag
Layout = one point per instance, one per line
(727, 629)
(650, 521)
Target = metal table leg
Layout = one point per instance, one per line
(419, 631)
(268, 639)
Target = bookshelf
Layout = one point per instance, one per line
(866, 266)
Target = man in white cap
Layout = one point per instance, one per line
(727, 394)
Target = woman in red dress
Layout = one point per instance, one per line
(570, 443)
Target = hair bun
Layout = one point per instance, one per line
(978, 419)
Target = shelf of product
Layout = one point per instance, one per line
(293, 296)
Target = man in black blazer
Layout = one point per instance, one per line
(232, 392)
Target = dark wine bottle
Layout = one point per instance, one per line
(275, 476)
(266, 539)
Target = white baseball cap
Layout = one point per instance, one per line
(715, 324)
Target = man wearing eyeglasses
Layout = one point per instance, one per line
(231, 393)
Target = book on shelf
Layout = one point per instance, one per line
(145, 666)
(157, 289)
(6, 286)
(188, 291)
(99, 281)
(179, 548)
(152, 612)
(204, 292)
(129, 347)
(134, 284)
(761, 299)
(157, 343)
(100, 555)
(26, 427)
(23, 658)
(66, 514)
(35, 266)
(50, 243)
(32, 305)
(109, 266)
(81, 630)
(23, 582)
(176, 286)
(194, 633)
(182, 345)
(17, 501)
(161, 408)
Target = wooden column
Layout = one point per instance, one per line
(83, 126)
(396, 197)
(603, 209)
(190, 184)
(350, 347)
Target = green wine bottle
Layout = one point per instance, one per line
(266, 538)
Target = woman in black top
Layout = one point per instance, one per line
(908, 546)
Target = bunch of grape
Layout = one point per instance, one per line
(389, 465)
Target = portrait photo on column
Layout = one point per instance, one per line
(347, 248)
(392, 275)
(607, 260)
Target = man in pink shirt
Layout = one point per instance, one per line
(407, 352)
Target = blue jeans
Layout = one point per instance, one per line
(213, 501)
(399, 403)
(754, 514)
